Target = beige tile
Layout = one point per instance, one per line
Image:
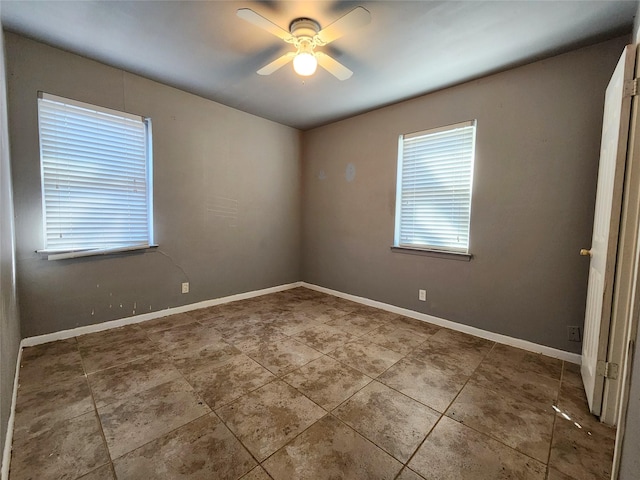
(367, 357)
(417, 326)
(579, 453)
(354, 324)
(114, 347)
(462, 340)
(396, 338)
(392, 421)
(251, 338)
(190, 336)
(257, 473)
(323, 338)
(327, 382)
(39, 410)
(102, 473)
(211, 356)
(236, 324)
(203, 449)
(372, 313)
(232, 322)
(434, 385)
(408, 474)
(303, 293)
(511, 357)
(455, 452)
(331, 450)
(75, 447)
(321, 312)
(448, 346)
(122, 381)
(49, 350)
(49, 364)
(267, 418)
(529, 387)
(554, 474)
(292, 322)
(572, 402)
(136, 420)
(284, 356)
(340, 304)
(209, 314)
(224, 383)
(519, 425)
(571, 375)
(164, 323)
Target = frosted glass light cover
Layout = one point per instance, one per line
(305, 64)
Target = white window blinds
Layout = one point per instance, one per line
(435, 170)
(96, 177)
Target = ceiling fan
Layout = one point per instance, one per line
(305, 35)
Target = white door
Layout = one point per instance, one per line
(606, 222)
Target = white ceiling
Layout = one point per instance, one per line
(409, 48)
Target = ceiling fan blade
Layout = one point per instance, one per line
(332, 66)
(259, 21)
(276, 64)
(357, 17)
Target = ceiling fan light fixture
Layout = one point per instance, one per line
(305, 64)
(305, 35)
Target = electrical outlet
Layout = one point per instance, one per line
(574, 334)
(422, 295)
(185, 287)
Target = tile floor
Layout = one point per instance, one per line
(300, 385)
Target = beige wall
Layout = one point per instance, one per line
(9, 321)
(537, 151)
(204, 153)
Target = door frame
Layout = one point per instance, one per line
(621, 330)
(626, 312)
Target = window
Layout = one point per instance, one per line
(96, 178)
(435, 172)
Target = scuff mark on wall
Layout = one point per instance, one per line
(350, 173)
(223, 208)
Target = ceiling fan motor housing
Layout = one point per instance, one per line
(303, 28)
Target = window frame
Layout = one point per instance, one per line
(426, 249)
(64, 253)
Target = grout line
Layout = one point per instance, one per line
(241, 443)
(555, 419)
(159, 437)
(444, 414)
(95, 411)
(406, 464)
(212, 411)
(484, 433)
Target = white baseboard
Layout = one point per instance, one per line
(98, 327)
(495, 337)
(8, 440)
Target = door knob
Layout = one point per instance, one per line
(585, 253)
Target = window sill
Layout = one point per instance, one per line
(462, 257)
(93, 253)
